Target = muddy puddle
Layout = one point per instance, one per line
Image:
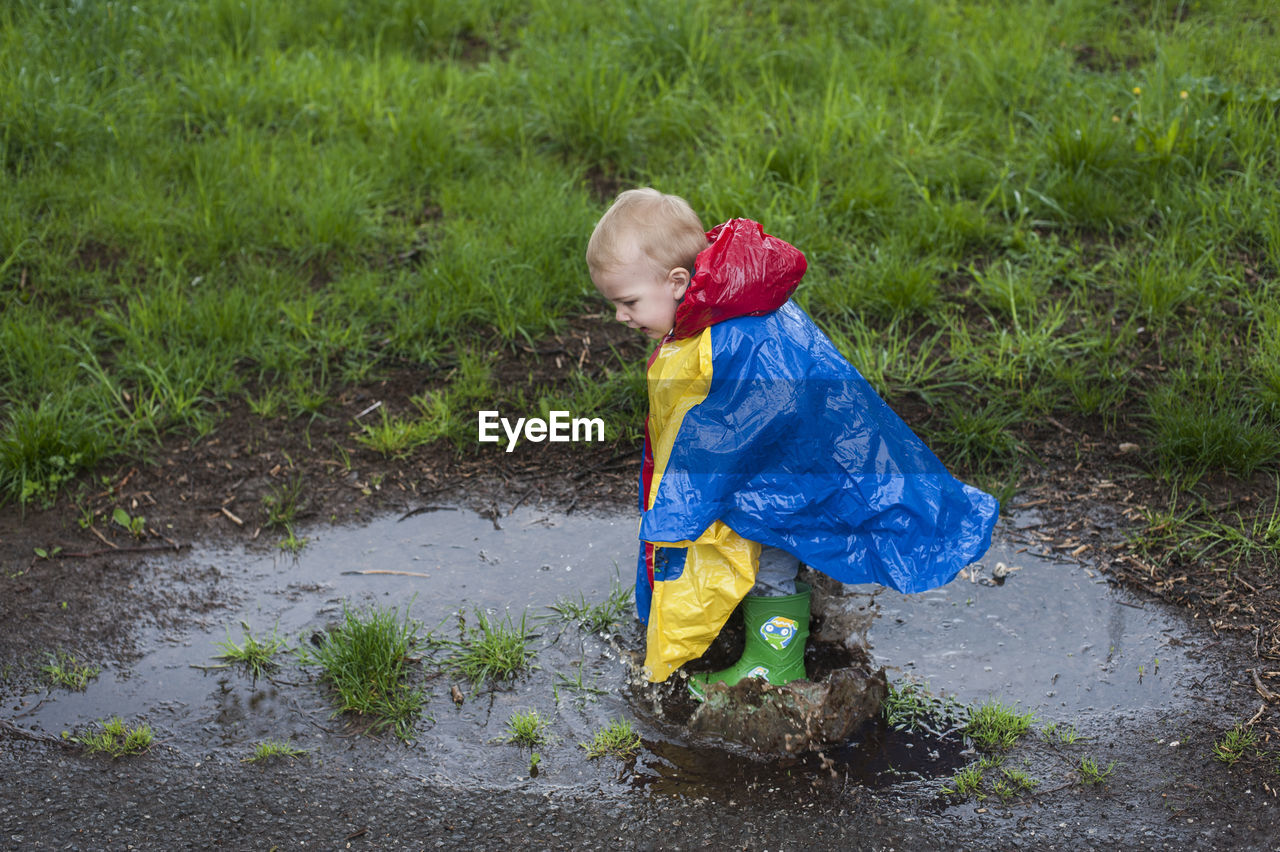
(1050, 636)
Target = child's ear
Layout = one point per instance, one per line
(678, 278)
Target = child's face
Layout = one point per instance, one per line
(643, 298)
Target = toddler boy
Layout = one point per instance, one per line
(764, 447)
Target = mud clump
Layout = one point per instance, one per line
(800, 716)
(840, 694)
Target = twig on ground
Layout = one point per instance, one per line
(1267, 695)
(384, 571)
(149, 548)
(105, 541)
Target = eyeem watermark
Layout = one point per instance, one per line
(559, 428)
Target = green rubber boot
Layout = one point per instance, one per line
(777, 629)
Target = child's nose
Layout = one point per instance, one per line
(620, 315)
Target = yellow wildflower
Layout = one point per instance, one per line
(1137, 90)
(1183, 94)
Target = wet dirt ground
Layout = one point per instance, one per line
(1146, 686)
(1055, 639)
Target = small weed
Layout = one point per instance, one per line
(966, 782)
(136, 526)
(527, 729)
(910, 707)
(1091, 774)
(1052, 732)
(1013, 783)
(272, 749)
(292, 543)
(44, 553)
(534, 760)
(395, 437)
(256, 655)
(115, 739)
(996, 726)
(584, 691)
(87, 516)
(492, 650)
(269, 404)
(619, 739)
(595, 618)
(282, 504)
(64, 670)
(365, 660)
(1235, 744)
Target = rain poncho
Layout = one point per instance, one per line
(760, 432)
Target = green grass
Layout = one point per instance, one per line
(995, 725)
(617, 739)
(1202, 532)
(270, 750)
(1236, 744)
(115, 738)
(527, 729)
(1011, 213)
(582, 692)
(64, 669)
(292, 542)
(967, 782)
(597, 617)
(1091, 773)
(910, 706)
(1012, 783)
(396, 437)
(1065, 735)
(491, 650)
(367, 661)
(257, 656)
(282, 502)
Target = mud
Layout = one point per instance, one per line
(1053, 637)
(799, 716)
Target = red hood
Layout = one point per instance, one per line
(743, 272)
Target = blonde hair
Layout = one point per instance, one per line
(662, 229)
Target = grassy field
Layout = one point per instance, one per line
(1012, 212)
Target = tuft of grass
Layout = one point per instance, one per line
(967, 782)
(617, 739)
(1235, 744)
(396, 437)
(366, 661)
(256, 655)
(597, 617)
(115, 738)
(272, 750)
(1013, 783)
(977, 437)
(1091, 774)
(910, 707)
(997, 726)
(1053, 732)
(292, 543)
(583, 691)
(1199, 533)
(491, 650)
(64, 670)
(527, 729)
(282, 504)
